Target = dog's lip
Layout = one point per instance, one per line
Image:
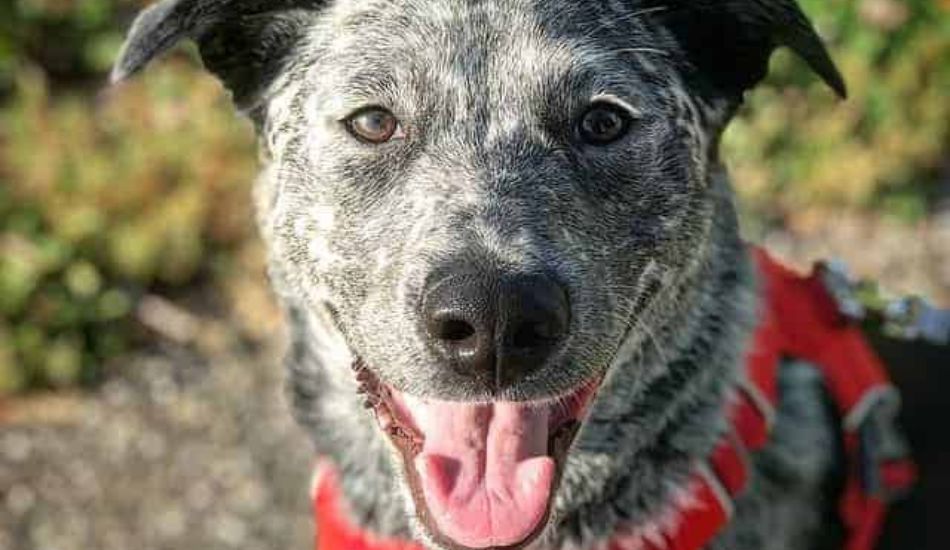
(568, 412)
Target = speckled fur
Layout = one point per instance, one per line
(643, 232)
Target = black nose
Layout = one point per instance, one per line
(495, 328)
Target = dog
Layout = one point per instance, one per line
(510, 260)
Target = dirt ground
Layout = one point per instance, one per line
(189, 444)
(186, 446)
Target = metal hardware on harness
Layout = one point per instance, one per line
(909, 318)
(915, 319)
(840, 286)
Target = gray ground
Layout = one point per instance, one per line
(190, 445)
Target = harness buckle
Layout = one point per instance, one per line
(913, 318)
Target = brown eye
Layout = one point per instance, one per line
(603, 123)
(373, 125)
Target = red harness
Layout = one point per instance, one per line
(798, 319)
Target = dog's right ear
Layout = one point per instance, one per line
(245, 43)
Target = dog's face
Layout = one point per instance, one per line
(456, 165)
(489, 199)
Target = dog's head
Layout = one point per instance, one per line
(489, 199)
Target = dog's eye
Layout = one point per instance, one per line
(603, 123)
(373, 125)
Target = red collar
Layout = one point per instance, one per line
(798, 318)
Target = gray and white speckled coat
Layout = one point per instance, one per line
(490, 166)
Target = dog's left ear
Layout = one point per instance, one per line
(245, 43)
(730, 42)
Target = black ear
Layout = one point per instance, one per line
(246, 43)
(730, 41)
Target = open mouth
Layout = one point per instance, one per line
(482, 474)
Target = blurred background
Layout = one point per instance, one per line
(140, 398)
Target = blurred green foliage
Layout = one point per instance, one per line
(104, 194)
(73, 40)
(107, 195)
(796, 148)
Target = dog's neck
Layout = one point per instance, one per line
(642, 436)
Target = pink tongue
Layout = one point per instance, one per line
(485, 473)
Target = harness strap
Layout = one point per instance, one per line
(718, 480)
(800, 319)
(814, 329)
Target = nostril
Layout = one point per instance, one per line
(532, 335)
(454, 330)
(538, 315)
